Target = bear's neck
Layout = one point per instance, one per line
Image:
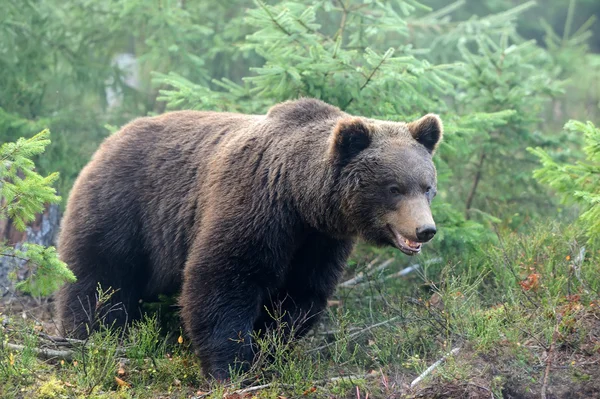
(312, 187)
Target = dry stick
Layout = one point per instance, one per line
(383, 59)
(433, 366)
(360, 279)
(533, 337)
(67, 355)
(355, 280)
(256, 388)
(550, 355)
(403, 272)
(362, 271)
(348, 377)
(47, 353)
(340, 32)
(412, 268)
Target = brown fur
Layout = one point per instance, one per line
(238, 213)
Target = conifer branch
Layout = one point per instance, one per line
(340, 33)
(383, 59)
(273, 19)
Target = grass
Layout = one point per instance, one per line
(524, 312)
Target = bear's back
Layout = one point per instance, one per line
(143, 186)
(150, 184)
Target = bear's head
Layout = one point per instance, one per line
(388, 178)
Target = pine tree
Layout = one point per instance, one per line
(363, 58)
(577, 182)
(23, 194)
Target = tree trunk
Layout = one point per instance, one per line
(475, 184)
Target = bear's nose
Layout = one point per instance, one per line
(426, 232)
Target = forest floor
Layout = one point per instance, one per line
(520, 321)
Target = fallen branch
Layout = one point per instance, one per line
(57, 340)
(361, 276)
(433, 367)
(44, 353)
(62, 354)
(412, 268)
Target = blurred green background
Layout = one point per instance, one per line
(503, 74)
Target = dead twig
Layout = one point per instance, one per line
(63, 354)
(476, 180)
(549, 358)
(57, 340)
(576, 267)
(411, 268)
(361, 276)
(433, 367)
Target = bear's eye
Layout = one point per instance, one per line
(430, 192)
(395, 190)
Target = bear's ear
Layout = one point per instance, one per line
(350, 136)
(428, 131)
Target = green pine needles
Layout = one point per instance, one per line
(23, 194)
(398, 61)
(339, 53)
(578, 182)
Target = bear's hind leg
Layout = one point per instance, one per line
(109, 298)
(76, 305)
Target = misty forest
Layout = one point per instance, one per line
(504, 302)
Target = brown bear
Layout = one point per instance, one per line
(240, 214)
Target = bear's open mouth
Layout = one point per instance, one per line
(404, 244)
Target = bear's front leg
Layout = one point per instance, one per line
(218, 313)
(223, 290)
(311, 280)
